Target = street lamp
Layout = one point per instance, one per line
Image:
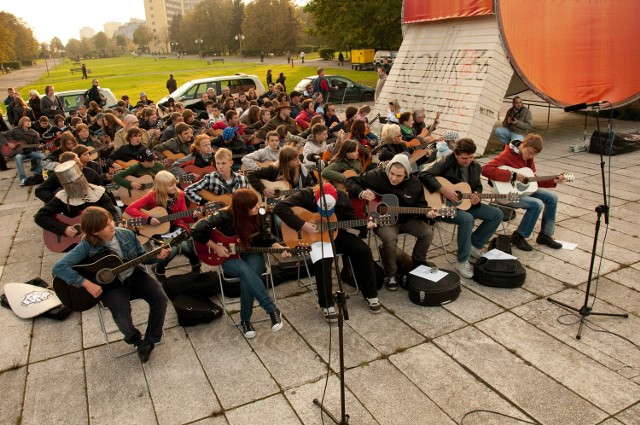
(174, 47)
(240, 37)
(199, 43)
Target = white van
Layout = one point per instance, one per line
(381, 54)
(190, 92)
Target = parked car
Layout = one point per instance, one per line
(381, 54)
(72, 99)
(348, 90)
(191, 91)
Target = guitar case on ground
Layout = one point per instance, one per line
(432, 294)
(203, 284)
(194, 309)
(500, 273)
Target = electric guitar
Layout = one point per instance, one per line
(389, 205)
(463, 190)
(146, 231)
(233, 244)
(102, 269)
(62, 243)
(194, 174)
(293, 237)
(530, 184)
(127, 196)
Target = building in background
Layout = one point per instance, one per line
(86, 32)
(129, 28)
(110, 28)
(160, 14)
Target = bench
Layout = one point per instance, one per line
(216, 60)
(75, 70)
(534, 102)
(77, 63)
(162, 57)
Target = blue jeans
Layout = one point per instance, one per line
(534, 204)
(186, 249)
(118, 300)
(491, 218)
(249, 269)
(505, 136)
(38, 156)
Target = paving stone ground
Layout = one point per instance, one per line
(502, 350)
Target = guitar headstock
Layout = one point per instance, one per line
(569, 177)
(447, 211)
(513, 197)
(383, 220)
(187, 178)
(181, 237)
(300, 249)
(211, 207)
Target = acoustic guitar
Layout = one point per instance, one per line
(530, 184)
(294, 237)
(15, 147)
(389, 205)
(281, 188)
(233, 244)
(127, 196)
(258, 164)
(102, 269)
(62, 243)
(437, 199)
(209, 196)
(194, 174)
(170, 157)
(146, 231)
(123, 165)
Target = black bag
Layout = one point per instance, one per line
(502, 243)
(427, 293)
(614, 144)
(193, 309)
(499, 273)
(34, 180)
(347, 276)
(203, 284)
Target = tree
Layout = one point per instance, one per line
(74, 48)
(237, 15)
(374, 23)
(100, 41)
(142, 36)
(209, 21)
(18, 42)
(272, 26)
(122, 41)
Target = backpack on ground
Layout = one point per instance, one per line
(500, 273)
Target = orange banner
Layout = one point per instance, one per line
(433, 10)
(571, 51)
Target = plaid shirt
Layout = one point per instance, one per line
(216, 184)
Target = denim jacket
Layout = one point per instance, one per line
(131, 248)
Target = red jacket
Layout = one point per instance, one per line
(510, 158)
(148, 202)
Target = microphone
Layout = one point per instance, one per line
(581, 106)
(313, 157)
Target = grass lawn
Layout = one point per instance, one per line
(131, 75)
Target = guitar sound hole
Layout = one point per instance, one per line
(522, 187)
(105, 276)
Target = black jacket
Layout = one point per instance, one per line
(448, 167)
(223, 222)
(306, 199)
(45, 215)
(410, 193)
(273, 174)
(52, 185)
(236, 145)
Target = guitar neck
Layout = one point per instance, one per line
(408, 210)
(176, 215)
(260, 250)
(541, 178)
(485, 195)
(345, 224)
(132, 263)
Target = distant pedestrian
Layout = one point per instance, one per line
(288, 57)
(302, 56)
(84, 72)
(261, 55)
(269, 77)
(340, 59)
(172, 84)
(281, 79)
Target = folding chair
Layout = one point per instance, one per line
(444, 245)
(226, 302)
(107, 333)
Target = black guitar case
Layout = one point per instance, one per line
(203, 284)
(430, 294)
(500, 273)
(193, 309)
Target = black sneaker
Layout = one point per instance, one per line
(276, 321)
(248, 330)
(543, 239)
(520, 242)
(144, 350)
(391, 283)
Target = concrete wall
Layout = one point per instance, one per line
(456, 67)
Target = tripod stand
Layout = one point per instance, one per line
(343, 314)
(586, 311)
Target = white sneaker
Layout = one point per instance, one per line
(330, 314)
(23, 182)
(476, 253)
(464, 269)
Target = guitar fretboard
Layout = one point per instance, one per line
(132, 263)
(322, 227)
(485, 195)
(541, 178)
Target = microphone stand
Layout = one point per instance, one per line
(340, 299)
(586, 310)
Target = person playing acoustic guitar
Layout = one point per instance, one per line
(338, 203)
(166, 194)
(396, 179)
(519, 154)
(244, 219)
(101, 234)
(457, 167)
(24, 134)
